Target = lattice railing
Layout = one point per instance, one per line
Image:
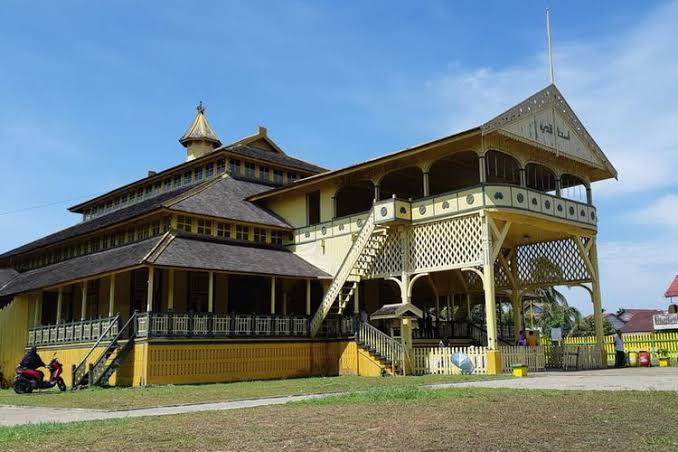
(550, 263)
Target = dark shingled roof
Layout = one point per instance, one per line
(274, 157)
(6, 275)
(101, 222)
(80, 267)
(228, 256)
(226, 199)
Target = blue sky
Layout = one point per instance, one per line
(94, 96)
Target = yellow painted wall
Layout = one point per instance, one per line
(368, 365)
(13, 334)
(326, 208)
(328, 257)
(292, 209)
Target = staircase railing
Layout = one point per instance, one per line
(479, 335)
(80, 370)
(383, 345)
(343, 273)
(101, 369)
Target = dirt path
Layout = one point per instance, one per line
(641, 379)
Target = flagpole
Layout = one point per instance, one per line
(550, 51)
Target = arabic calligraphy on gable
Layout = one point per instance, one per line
(558, 135)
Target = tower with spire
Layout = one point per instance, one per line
(200, 139)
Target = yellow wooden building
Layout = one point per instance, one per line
(243, 262)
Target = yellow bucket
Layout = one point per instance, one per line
(633, 359)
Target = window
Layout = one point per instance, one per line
(235, 167)
(166, 224)
(250, 169)
(184, 223)
(276, 237)
(242, 232)
(155, 228)
(130, 235)
(198, 290)
(221, 166)
(278, 177)
(260, 235)
(149, 190)
(198, 173)
(205, 227)
(157, 187)
(264, 173)
(209, 170)
(123, 200)
(291, 177)
(224, 230)
(140, 194)
(132, 197)
(313, 208)
(177, 181)
(167, 184)
(188, 177)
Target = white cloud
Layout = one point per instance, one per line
(663, 212)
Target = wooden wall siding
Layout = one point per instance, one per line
(13, 334)
(169, 363)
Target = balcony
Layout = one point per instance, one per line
(486, 196)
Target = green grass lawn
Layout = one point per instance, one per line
(127, 398)
(392, 418)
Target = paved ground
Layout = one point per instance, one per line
(642, 379)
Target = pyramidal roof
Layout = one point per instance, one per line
(200, 129)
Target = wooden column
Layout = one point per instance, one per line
(558, 187)
(210, 292)
(170, 289)
(111, 296)
(468, 306)
(517, 306)
(523, 179)
(60, 301)
(334, 206)
(226, 284)
(308, 297)
(284, 303)
(356, 299)
(37, 309)
(272, 294)
(589, 195)
(597, 305)
(490, 306)
(481, 168)
(149, 289)
(83, 301)
(377, 192)
(427, 190)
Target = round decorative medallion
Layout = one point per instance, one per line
(403, 211)
(520, 198)
(341, 227)
(359, 222)
(571, 210)
(470, 199)
(559, 207)
(547, 204)
(498, 195)
(422, 210)
(534, 201)
(383, 211)
(323, 230)
(307, 234)
(446, 205)
(582, 213)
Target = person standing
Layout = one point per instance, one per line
(532, 340)
(619, 355)
(522, 340)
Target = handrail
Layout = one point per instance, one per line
(347, 264)
(383, 344)
(78, 369)
(103, 357)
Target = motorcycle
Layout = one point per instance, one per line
(28, 379)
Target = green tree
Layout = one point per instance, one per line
(587, 327)
(552, 311)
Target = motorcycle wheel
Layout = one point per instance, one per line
(22, 387)
(61, 385)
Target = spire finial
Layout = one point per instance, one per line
(200, 108)
(550, 51)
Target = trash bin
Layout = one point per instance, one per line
(633, 359)
(644, 359)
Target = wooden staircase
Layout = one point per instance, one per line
(357, 263)
(390, 353)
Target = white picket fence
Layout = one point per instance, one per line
(533, 357)
(438, 360)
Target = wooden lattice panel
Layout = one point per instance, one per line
(389, 258)
(550, 263)
(444, 245)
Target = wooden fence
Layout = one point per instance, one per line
(533, 357)
(634, 342)
(438, 360)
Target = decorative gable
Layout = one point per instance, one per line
(545, 119)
